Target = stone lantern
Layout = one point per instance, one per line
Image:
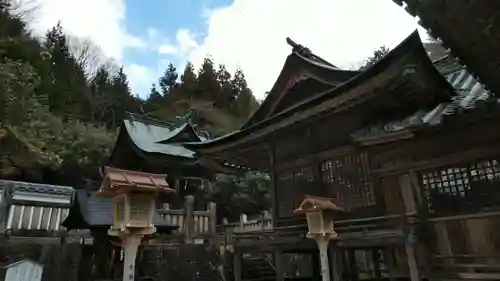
(134, 196)
(320, 213)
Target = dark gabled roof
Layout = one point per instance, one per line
(89, 212)
(469, 29)
(300, 66)
(352, 91)
(471, 94)
(37, 187)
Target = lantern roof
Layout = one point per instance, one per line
(120, 181)
(313, 203)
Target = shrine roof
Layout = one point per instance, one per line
(468, 29)
(471, 95)
(90, 211)
(300, 66)
(153, 136)
(390, 68)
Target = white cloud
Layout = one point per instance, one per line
(251, 33)
(102, 21)
(167, 49)
(140, 77)
(186, 40)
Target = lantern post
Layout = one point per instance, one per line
(319, 214)
(134, 196)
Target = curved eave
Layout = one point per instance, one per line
(339, 98)
(125, 140)
(468, 29)
(75, 218)
(184, 129)
(294, 69)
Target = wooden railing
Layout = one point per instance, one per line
(261, 229)
(245, 225)
(191, 223)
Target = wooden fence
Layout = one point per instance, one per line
(192, 224)
(227, 230)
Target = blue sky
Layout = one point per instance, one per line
(145, 35)
(166, 17)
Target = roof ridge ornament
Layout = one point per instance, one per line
(306, 52)
(298, 48)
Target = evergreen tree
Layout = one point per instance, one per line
(377, 55)
(188, 86)
(208, 85)
(69, 95)
(226, 89)
(100, 88)
(245, 103)
(169, 79)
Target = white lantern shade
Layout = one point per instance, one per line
(141, 211)
(319, 222)
(133, 211)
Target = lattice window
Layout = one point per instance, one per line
(292, 185)
(457, 188)
(347, 181)
(139, 208)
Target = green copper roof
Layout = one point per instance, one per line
(153, 136)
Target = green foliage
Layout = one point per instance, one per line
(377, 55)
(245, 193)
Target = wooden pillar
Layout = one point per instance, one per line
(412, 256)
(353, 268)
(335, 262)
(345, 267)
(278, 263)
(389, 262)
(237, 266)
(408, 193)
(376, 264)
(407, 189)
(189, 219)
(273, 174)
(212, 210)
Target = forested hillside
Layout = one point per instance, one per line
(59, 119)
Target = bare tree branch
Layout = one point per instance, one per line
(24, 9)
(88, 55)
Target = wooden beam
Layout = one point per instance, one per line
(462, 156)
(314, 158)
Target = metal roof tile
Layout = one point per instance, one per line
(38, 188)
(148, 137)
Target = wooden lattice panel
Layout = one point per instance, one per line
(458, 188)
(292, 186)
(347, 180)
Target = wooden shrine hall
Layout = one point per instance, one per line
(407, 147)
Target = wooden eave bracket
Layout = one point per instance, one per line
(383, 137)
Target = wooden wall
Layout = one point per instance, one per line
(454, 174)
